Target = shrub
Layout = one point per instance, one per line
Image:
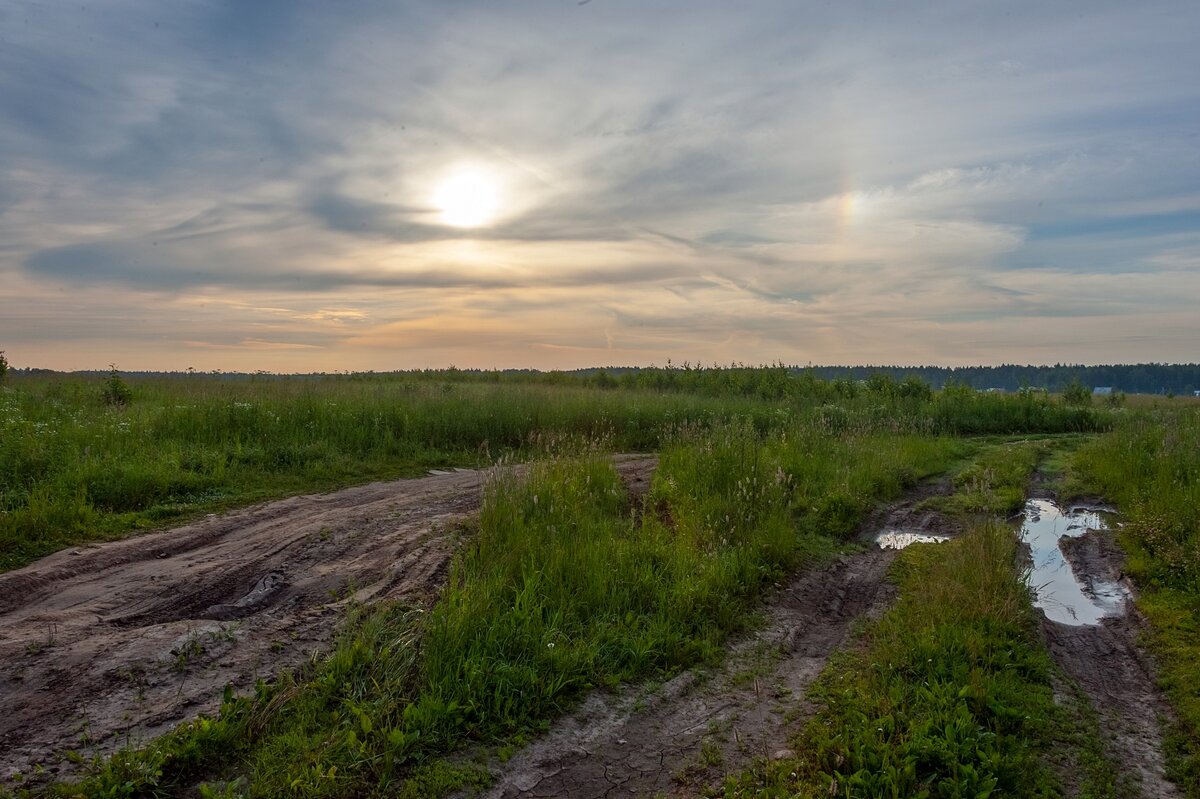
(115, 391)
(1076, 393)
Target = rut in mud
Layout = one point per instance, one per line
(1105, 661)
(690, 732)
(112, 644)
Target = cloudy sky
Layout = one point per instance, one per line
(305, 186)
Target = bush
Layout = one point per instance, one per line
(115, 391)
(1076, 393)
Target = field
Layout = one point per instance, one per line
(674, 576)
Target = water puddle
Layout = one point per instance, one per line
(1058, 591)
(899, 539)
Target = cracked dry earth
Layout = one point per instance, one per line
(677, 738)
(107, 645)
(1114, 672)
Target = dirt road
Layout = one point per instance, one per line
(678, 737)
(111, 644)
(1113, 671)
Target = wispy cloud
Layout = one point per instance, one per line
(252, 185)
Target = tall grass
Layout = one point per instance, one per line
(74, 465)
(566, 585)
(949, 696)
(1150, 467)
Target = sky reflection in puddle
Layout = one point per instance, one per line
(1058, 592)
(899, 539)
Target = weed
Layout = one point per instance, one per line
(710, 753)
(185, 653)
(228, 790)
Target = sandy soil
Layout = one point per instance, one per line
(106, 645)
(677, 738)
(1114, 672)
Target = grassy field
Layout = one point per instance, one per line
(560, 590)
(951, 693)
(73, 467)
(949, 696)
(84, 459)
(1149, 465)
(564, 584)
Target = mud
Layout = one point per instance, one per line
(109, 645)
(686, 735)
(1114, 673)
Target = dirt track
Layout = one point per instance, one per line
(115, 643)
(690, 732)
(1113, 671)
(112, 644)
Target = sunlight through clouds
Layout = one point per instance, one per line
(500, 186)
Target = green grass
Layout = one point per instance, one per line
(565, 587)
(1150, 467)
(73, 468)
(75, 465)
(948, 695)
(994, 482)
(952, 693)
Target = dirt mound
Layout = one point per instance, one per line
(112, 644)
(677, 737)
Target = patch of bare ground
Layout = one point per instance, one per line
(110, 645)
(682, 737)
(1114, 673)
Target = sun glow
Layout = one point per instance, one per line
(467, 198)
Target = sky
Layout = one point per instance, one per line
(312, 186)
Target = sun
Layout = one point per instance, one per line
(467, 198)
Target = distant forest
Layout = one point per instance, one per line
(1142, 378)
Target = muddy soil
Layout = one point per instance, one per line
(677, 738)
(1114, 673)
(108, 645)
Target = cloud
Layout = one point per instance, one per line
(822, 183)
(166, 268)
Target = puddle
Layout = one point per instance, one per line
(1058, 592)
(899, 539)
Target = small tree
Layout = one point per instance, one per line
(1076, 393)
(845, 388)
(115, 390)
(915, 388)
(881, 383)
(3, 366)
